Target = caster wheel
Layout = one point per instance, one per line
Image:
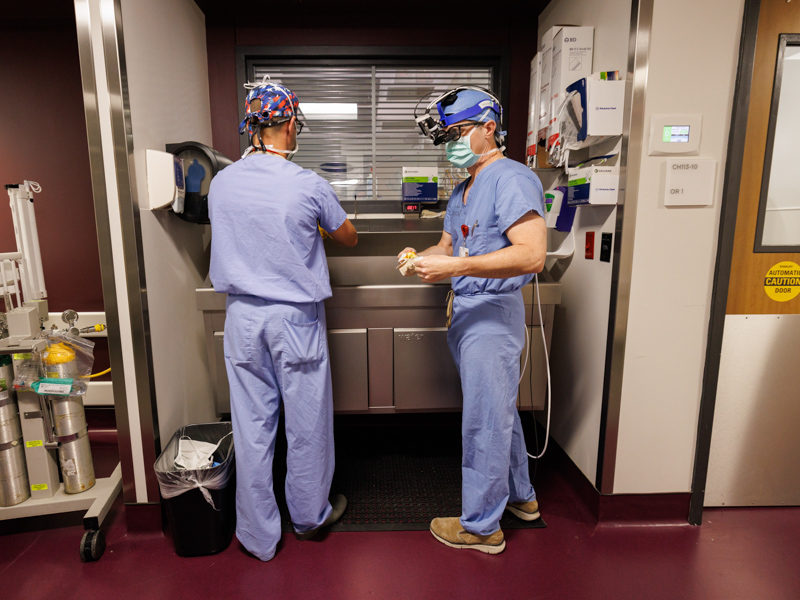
(93, 544)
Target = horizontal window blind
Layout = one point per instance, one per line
(359, 123)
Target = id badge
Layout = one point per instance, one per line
(463, 252)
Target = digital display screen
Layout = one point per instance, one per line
(411, 207)
(676, 133)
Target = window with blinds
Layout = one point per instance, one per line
(360, 130)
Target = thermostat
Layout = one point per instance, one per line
(675, 134)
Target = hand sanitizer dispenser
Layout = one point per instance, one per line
(560, 216)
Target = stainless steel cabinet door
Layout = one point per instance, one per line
(348, 358)
(425, 376)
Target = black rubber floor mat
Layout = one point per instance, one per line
(397, 478)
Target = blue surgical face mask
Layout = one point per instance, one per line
(459, 152)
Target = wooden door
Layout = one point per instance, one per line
(755, 345)
(751, 267)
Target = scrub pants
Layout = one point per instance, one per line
(278, 352)
(486, 339)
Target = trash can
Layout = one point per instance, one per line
(197, 477)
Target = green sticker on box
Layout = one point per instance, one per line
(24, 356)
(38, 487)
(34, 444)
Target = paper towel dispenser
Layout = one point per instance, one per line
(200, 166)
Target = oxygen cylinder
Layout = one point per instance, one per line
(14, 485)
(69, 422)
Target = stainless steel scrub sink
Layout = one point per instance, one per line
(386, 333)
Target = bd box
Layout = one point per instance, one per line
(544, 67)
(573, 49)
(533, 114)
(420, 184)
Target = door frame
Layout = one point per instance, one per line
(722, 270)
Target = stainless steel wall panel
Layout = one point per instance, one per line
(122, 140)
(630, 161)
(104, 240)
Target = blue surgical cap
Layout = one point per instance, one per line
(466, 99)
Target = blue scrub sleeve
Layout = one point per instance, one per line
(455, 196)
(331, 214)
(517, 196)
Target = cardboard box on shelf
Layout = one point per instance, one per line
(533, 112)
(572, 52)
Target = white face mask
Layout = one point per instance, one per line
(194, 454)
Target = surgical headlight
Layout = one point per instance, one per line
(435, 128)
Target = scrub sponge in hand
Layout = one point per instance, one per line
(407, 264)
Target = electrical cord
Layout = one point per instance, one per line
(549, 391)
(98, 374)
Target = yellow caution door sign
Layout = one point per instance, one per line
(782, 282)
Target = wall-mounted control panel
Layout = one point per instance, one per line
(675, 134)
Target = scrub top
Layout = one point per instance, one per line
(503, 192)
(264, 212)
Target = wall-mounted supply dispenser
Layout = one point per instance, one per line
(179, 179)
(600, 102)
(560, 216)
(593, 182)
(165, 181)
(590, 113)
(201, 165)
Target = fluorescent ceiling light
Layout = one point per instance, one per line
(329, 110)
(346, 182)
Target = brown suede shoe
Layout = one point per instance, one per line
(527, 511)
(450, 532)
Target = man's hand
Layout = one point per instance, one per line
(431, 269)
(404, 252)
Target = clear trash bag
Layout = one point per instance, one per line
(173, 480)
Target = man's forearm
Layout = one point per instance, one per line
(436, 250)
(507, 262)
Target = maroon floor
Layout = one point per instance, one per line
(737, 553)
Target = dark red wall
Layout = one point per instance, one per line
(43, 139)
(518, 38)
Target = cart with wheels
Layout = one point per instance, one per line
(96, 502)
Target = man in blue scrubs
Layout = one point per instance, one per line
(268, 256)
(494, 239)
